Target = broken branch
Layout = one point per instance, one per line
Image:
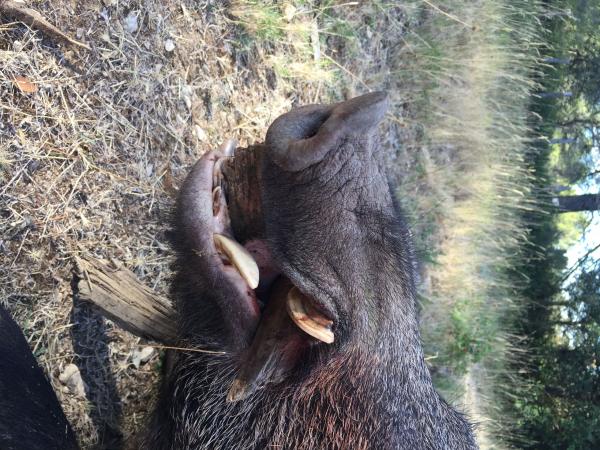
(121, 297)
(20, 13)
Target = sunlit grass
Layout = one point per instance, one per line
(288, 35)
(473, 64)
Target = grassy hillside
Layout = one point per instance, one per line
(469, 66)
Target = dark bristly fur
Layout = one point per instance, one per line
(334, 230)
(30, 416)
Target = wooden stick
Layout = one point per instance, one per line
(120, 296)
(19, 12)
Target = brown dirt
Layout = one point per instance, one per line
(90, 160)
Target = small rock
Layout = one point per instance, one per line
(131, 22)
(188, 101)
(169, 45)
(187, 93)
(32, 166)
(142, 356)
(289, 11)
(200, 133)
(71, 378)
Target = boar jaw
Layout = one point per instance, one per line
(269, 343)
(201, 214)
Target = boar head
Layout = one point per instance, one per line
(334, 262)
(315, 310)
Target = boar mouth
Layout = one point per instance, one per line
(270, 322)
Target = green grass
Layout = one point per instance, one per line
(289, 36)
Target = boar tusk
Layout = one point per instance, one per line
(239, 257)
(238, 391)
(217, 174)
(228, 148)
(306, 318)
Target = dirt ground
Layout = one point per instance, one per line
(93, 144)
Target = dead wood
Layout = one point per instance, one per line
(120, 296)
(19, 12)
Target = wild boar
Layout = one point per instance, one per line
(307, 330)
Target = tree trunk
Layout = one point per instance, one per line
(555, 94)
(564, 140)
(553, 60)
(573, 203)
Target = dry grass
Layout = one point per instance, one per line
(88, 162)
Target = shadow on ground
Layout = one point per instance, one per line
(90, 343)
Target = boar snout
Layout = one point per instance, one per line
(304, 136)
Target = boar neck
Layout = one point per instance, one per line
(371, 400)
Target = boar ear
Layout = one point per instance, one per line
(304, 136)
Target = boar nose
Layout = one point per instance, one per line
(303, 137)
